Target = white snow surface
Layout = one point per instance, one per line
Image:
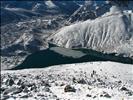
(91, 81)
(108, 33)
(68, 52)
(50, 4)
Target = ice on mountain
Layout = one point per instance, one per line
(50, 4)
(106, 33)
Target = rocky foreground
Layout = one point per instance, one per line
(86, 81)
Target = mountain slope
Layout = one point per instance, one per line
(107, 33)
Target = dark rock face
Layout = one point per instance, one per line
(88, 95)
(124, 89)
(82, 81)
(69, 88)
(10, 82)
(12, 90)
(105, 94)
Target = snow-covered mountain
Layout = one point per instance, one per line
(90, 10)
(112, 32)
(93, 9)
(22, 10)
(86, 81)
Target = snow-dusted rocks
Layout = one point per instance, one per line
(86, 81)
(109, 33)
(90, 10)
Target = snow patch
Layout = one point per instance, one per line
(50, 4)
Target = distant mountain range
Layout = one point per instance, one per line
(21, 10)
